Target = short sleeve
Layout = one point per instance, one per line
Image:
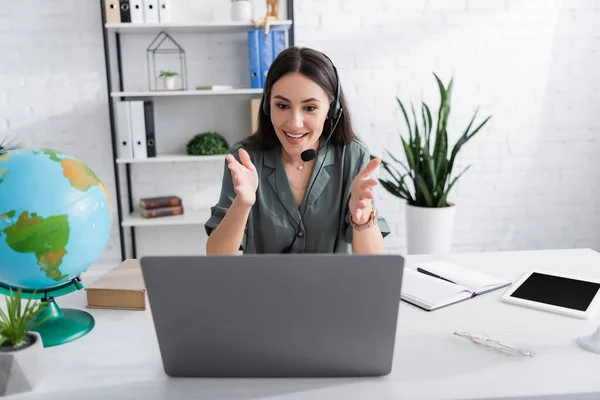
(218, 211)
(364, 157)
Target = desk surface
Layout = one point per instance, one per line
(120, 358)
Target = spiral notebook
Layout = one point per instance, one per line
(438, 284)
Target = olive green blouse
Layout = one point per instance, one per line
(275, 219)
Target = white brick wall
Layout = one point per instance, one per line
(531, 64)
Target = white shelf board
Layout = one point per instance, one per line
(187, 218)
(166, 93)
(173, 158)
(208, 27)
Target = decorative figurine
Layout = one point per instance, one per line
(271, 15)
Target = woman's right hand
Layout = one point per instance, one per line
(244, 176)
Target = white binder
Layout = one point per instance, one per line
(151, 11)
(137, 11)
(164, 11)
(123, 128)
(138, 129)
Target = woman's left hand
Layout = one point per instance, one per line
(361, 195)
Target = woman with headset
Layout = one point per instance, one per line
(301, 183)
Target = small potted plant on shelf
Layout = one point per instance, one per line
(168, 78)
(20, 347)
(427, 177)
(207, 143)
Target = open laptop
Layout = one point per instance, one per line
(293, 315)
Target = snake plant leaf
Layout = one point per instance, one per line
(440, 154)
(464, 139)
(403, 165)
(443, 199)
(390, 169)
(410, 135)
(410, 157)
(430, 176)
(417, 142)
(429, 123)
(424, 190)
(390, 187)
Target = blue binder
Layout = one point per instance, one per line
(254, 59)
(262, 50)
(266, 55)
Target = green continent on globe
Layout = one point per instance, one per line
(45, 237)
(9, 214)
(4, 157)
(53, 154)
(3, 174)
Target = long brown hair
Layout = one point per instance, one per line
(316, 66)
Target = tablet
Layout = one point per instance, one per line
(559, 293)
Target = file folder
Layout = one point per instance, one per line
(112, 11)
(254, 58)
(123, 130)
(149, 125)
(125, 11)
(164, 10)
(137, 11)
(265, 43)
(138, 129)
(151, 11)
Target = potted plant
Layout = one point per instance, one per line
(20, 347)
(168, 79)
(427, 177)
(206, 144)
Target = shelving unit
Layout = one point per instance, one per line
(170, 158)
(128, 217)
(188, 218)
(201, 27)
(129, 95)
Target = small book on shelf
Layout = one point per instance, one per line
(160, 201)
(160, 206)
(438, 284)
(161, 211)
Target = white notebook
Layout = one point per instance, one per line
(438, 284)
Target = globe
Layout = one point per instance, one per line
(55, 221)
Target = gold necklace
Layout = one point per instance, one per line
(295, 187)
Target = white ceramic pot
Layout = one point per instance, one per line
(21, 370)
(241, 10)
(429, 230)
(169, 82)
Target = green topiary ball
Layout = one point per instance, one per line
(207, 143)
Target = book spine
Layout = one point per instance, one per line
(160, 202)
(161, 212)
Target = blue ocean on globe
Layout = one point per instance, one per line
(55, 218)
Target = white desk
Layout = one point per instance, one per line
(120, 358)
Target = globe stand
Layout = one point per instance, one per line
(62, 326)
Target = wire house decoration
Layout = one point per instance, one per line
(167, 64)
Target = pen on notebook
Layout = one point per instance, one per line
(434, 275)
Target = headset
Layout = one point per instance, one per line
(334, 114)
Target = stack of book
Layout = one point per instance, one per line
(162, 206)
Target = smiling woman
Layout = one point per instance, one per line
(301, 183)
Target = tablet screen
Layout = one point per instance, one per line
(557, 291)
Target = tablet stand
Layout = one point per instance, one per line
(591, 342)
